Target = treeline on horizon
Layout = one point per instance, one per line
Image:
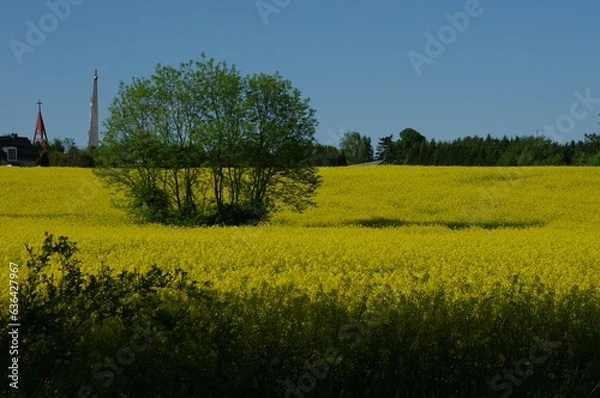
(411, 148)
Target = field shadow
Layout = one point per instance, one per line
(388, 222)
(39, 216)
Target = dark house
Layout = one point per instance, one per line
(18, 151)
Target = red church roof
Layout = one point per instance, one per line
(40, 130)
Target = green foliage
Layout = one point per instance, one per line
(386, 150)
(412, 148)
(64, 153)
(356, 147)
(328, 156)
(69, 315)
(211, 143)
(44, 159)
(151, 203)
(57, 145)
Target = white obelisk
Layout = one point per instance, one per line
(93, 133)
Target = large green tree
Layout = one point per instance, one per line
(202, 144)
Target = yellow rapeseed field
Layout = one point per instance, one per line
(377, 231)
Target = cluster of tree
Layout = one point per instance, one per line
(354, 148)
(412, 148)
(64, 153)
(200, 144)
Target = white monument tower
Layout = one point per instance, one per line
(93, 133)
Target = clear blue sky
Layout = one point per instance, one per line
(512, 70)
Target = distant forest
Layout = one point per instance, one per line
(412, 148)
